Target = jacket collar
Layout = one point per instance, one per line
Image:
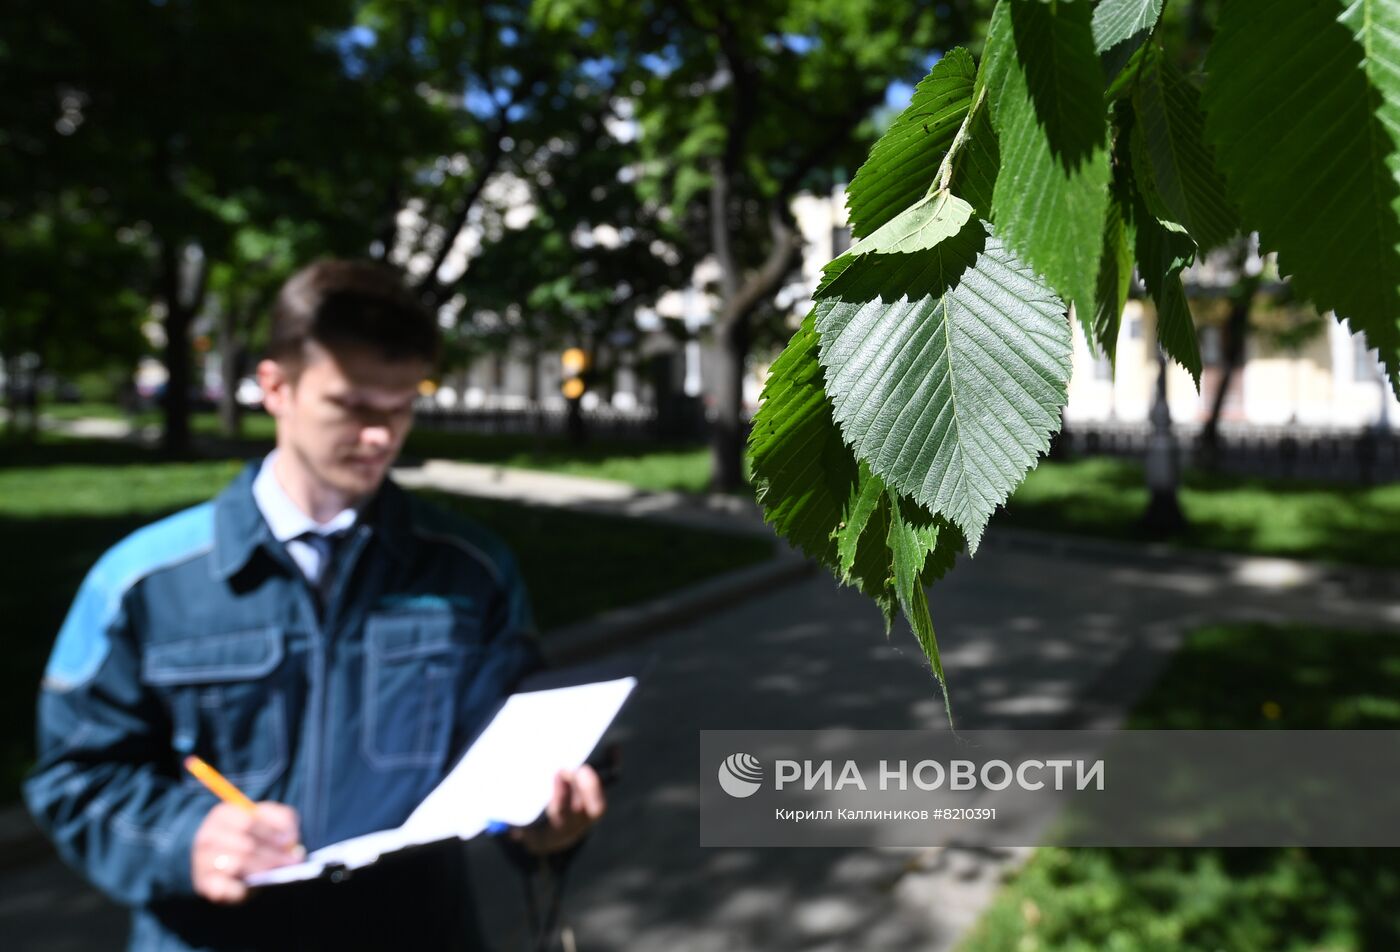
(240, 529)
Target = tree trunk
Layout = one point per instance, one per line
(231, 369)
(176, 400)
(1236, 329)
(1163, 516)
(12, 397)
(603, 364)
(181, 303)
(21, 396)
(536, 379)
(575, 427)
(731, 348)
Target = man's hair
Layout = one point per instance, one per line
(339, 303)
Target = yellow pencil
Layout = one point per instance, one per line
(219, 786)
(217, 783)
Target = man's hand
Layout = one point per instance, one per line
(576, 805)
(231, 843)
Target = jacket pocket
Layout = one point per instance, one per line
(414, 668)
(228, 696)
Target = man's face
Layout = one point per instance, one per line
(345, 416)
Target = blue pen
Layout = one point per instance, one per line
(496, 827)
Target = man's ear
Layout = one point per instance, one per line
(276, 386)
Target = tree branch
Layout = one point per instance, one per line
(764, 282)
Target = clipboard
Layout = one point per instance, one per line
(553, 721)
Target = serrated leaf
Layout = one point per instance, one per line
(902, 165)
(944, 550)
(911, 540)
(919, 227)
(1163, 251)
(803, 472)
(813, 493)
(808, 482)
(947, 370)
(862, 543)
(1115, 275)
(1049, 115)
(1124, 76)
(1121, 30)
(1170, 148)
(866, 497)
(1303, 107)
(1117, 21)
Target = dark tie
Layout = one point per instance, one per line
(327, 549)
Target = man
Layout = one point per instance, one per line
(324, 639)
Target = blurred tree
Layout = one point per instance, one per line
(590, 255)
(513, 93)
(741, 106)
(1240, 298)
(528, 227)
(242, 287)
(51, 319)
(186, 123)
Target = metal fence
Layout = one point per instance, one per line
(604, 422)
(1288, 452)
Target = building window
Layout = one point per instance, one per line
(1210, 346)
(1103, 367)
(840, 239)
(1134, 329)
(1365, 361)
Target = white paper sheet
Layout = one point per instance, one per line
(506, 776)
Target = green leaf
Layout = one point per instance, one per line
(919, 227)
(974, 171)
(1303, 107)
(813, 493)
(863, 544)
(1116, 21)
(916, 540)
(802, 470)
(866, 498)
(902, 165)
(1163, 251)
(1049, 114)
(1121, 30)
(1115, 275)
(808, 483)
(947, 370)
(1125, 77)
(1169, 145)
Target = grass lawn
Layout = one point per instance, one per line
(681, 467)
(75, 411)
(660, 467)
(57, 518)
(1104, 497)
(1093, 497)
(1152, 900)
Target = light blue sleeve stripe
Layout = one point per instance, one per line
(84, 641)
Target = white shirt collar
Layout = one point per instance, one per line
(284, 517)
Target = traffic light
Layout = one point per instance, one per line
(574, 363)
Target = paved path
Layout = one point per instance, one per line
(1032, 638)
(605, 496)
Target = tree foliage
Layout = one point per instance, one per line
(169, 127)
(933, 368)
(742, 105)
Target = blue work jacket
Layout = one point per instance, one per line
(199, 634)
